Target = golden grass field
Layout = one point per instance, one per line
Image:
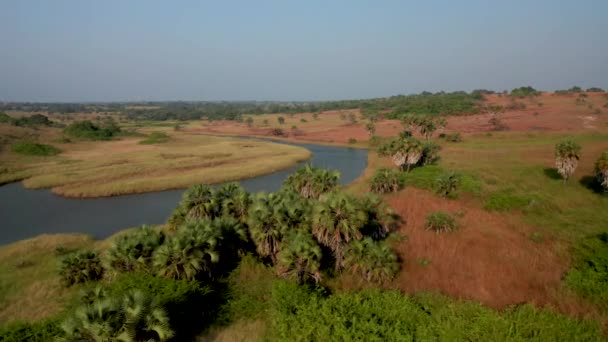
(107, 168)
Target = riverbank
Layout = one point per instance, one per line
(111, 168)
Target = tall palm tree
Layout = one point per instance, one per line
(375, 261)
(274, 215)
(601, 170)
(567, 154)
(338, 219)
(133, 251)
(132, 318)
(235, 201)
(312, 182)
(300, 259)
(188, 254)
(199, 202)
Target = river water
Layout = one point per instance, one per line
(25, 213)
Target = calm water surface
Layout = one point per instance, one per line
(26, 213)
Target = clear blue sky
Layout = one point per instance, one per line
(114, 50)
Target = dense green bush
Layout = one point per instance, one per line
(155, 138)
(34, 149)
(441, 222)
(447, 184)
(5, 118)
(80, 267)
(133, 251)
(304, 314)
(352, 141)
(386, 180)
(41, 331)
(454, 137)
(32, 121)
(589, 275)
(524, 92)
(88, 130)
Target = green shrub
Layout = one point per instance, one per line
(4, 118)
(386, 180)
(302, 120)
(352, 140)
(589, 274)
(524, 92)
(41, 331)
(133, 251)
(34, 149)
(80, 267)
(88, 130)
(155, 138)
(441, 222)
(447, 184)
(188, 303)
(304, 314)
(430, 153)
(454, 137)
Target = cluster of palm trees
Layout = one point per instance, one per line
(567, 156)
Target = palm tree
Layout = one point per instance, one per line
(404, 151)
(567, 154)
(80, 267)
(601, 170)
(381, 219)
(235, 200)
(133, 251)
(134, 317)
(300, 259)
(178, 217)
(386, 180)
(338, 219)
(375, 261)
(267, 224)
(188, 254)
(312, 182)
(199, 202)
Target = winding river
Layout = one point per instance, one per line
(25, 213)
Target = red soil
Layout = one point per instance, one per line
(490, 259)
(556, 113)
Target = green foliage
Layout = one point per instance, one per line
(5, 118)
(426, 125)
(32, 121)
(300, 258)
(88, 130)
(312, 182)
(428, 103)
(524, 92)
(386, 180)
(440, 222)
(447, 184)
(155, 138)
(302, 314)
(370, 127)
(404, 151)
(34, 149)
(281, 120)
(352, 141)
(601, 170)
(80, 267)
(303, 120)
(589, 274)
(131, 316)
(374, 261)
(336, 220)
(189, 304)
(430, 153)
(567, 154)
(133, 251)
(41, 331)
(454, 137)
(595, 90)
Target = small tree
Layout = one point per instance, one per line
(352, 118)
(426, 125)
(281, 120)
(315, 115)
(386, 180)
(447, 184)
(601, 170)
(370, 127)
(249, 122)
(567, 154)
